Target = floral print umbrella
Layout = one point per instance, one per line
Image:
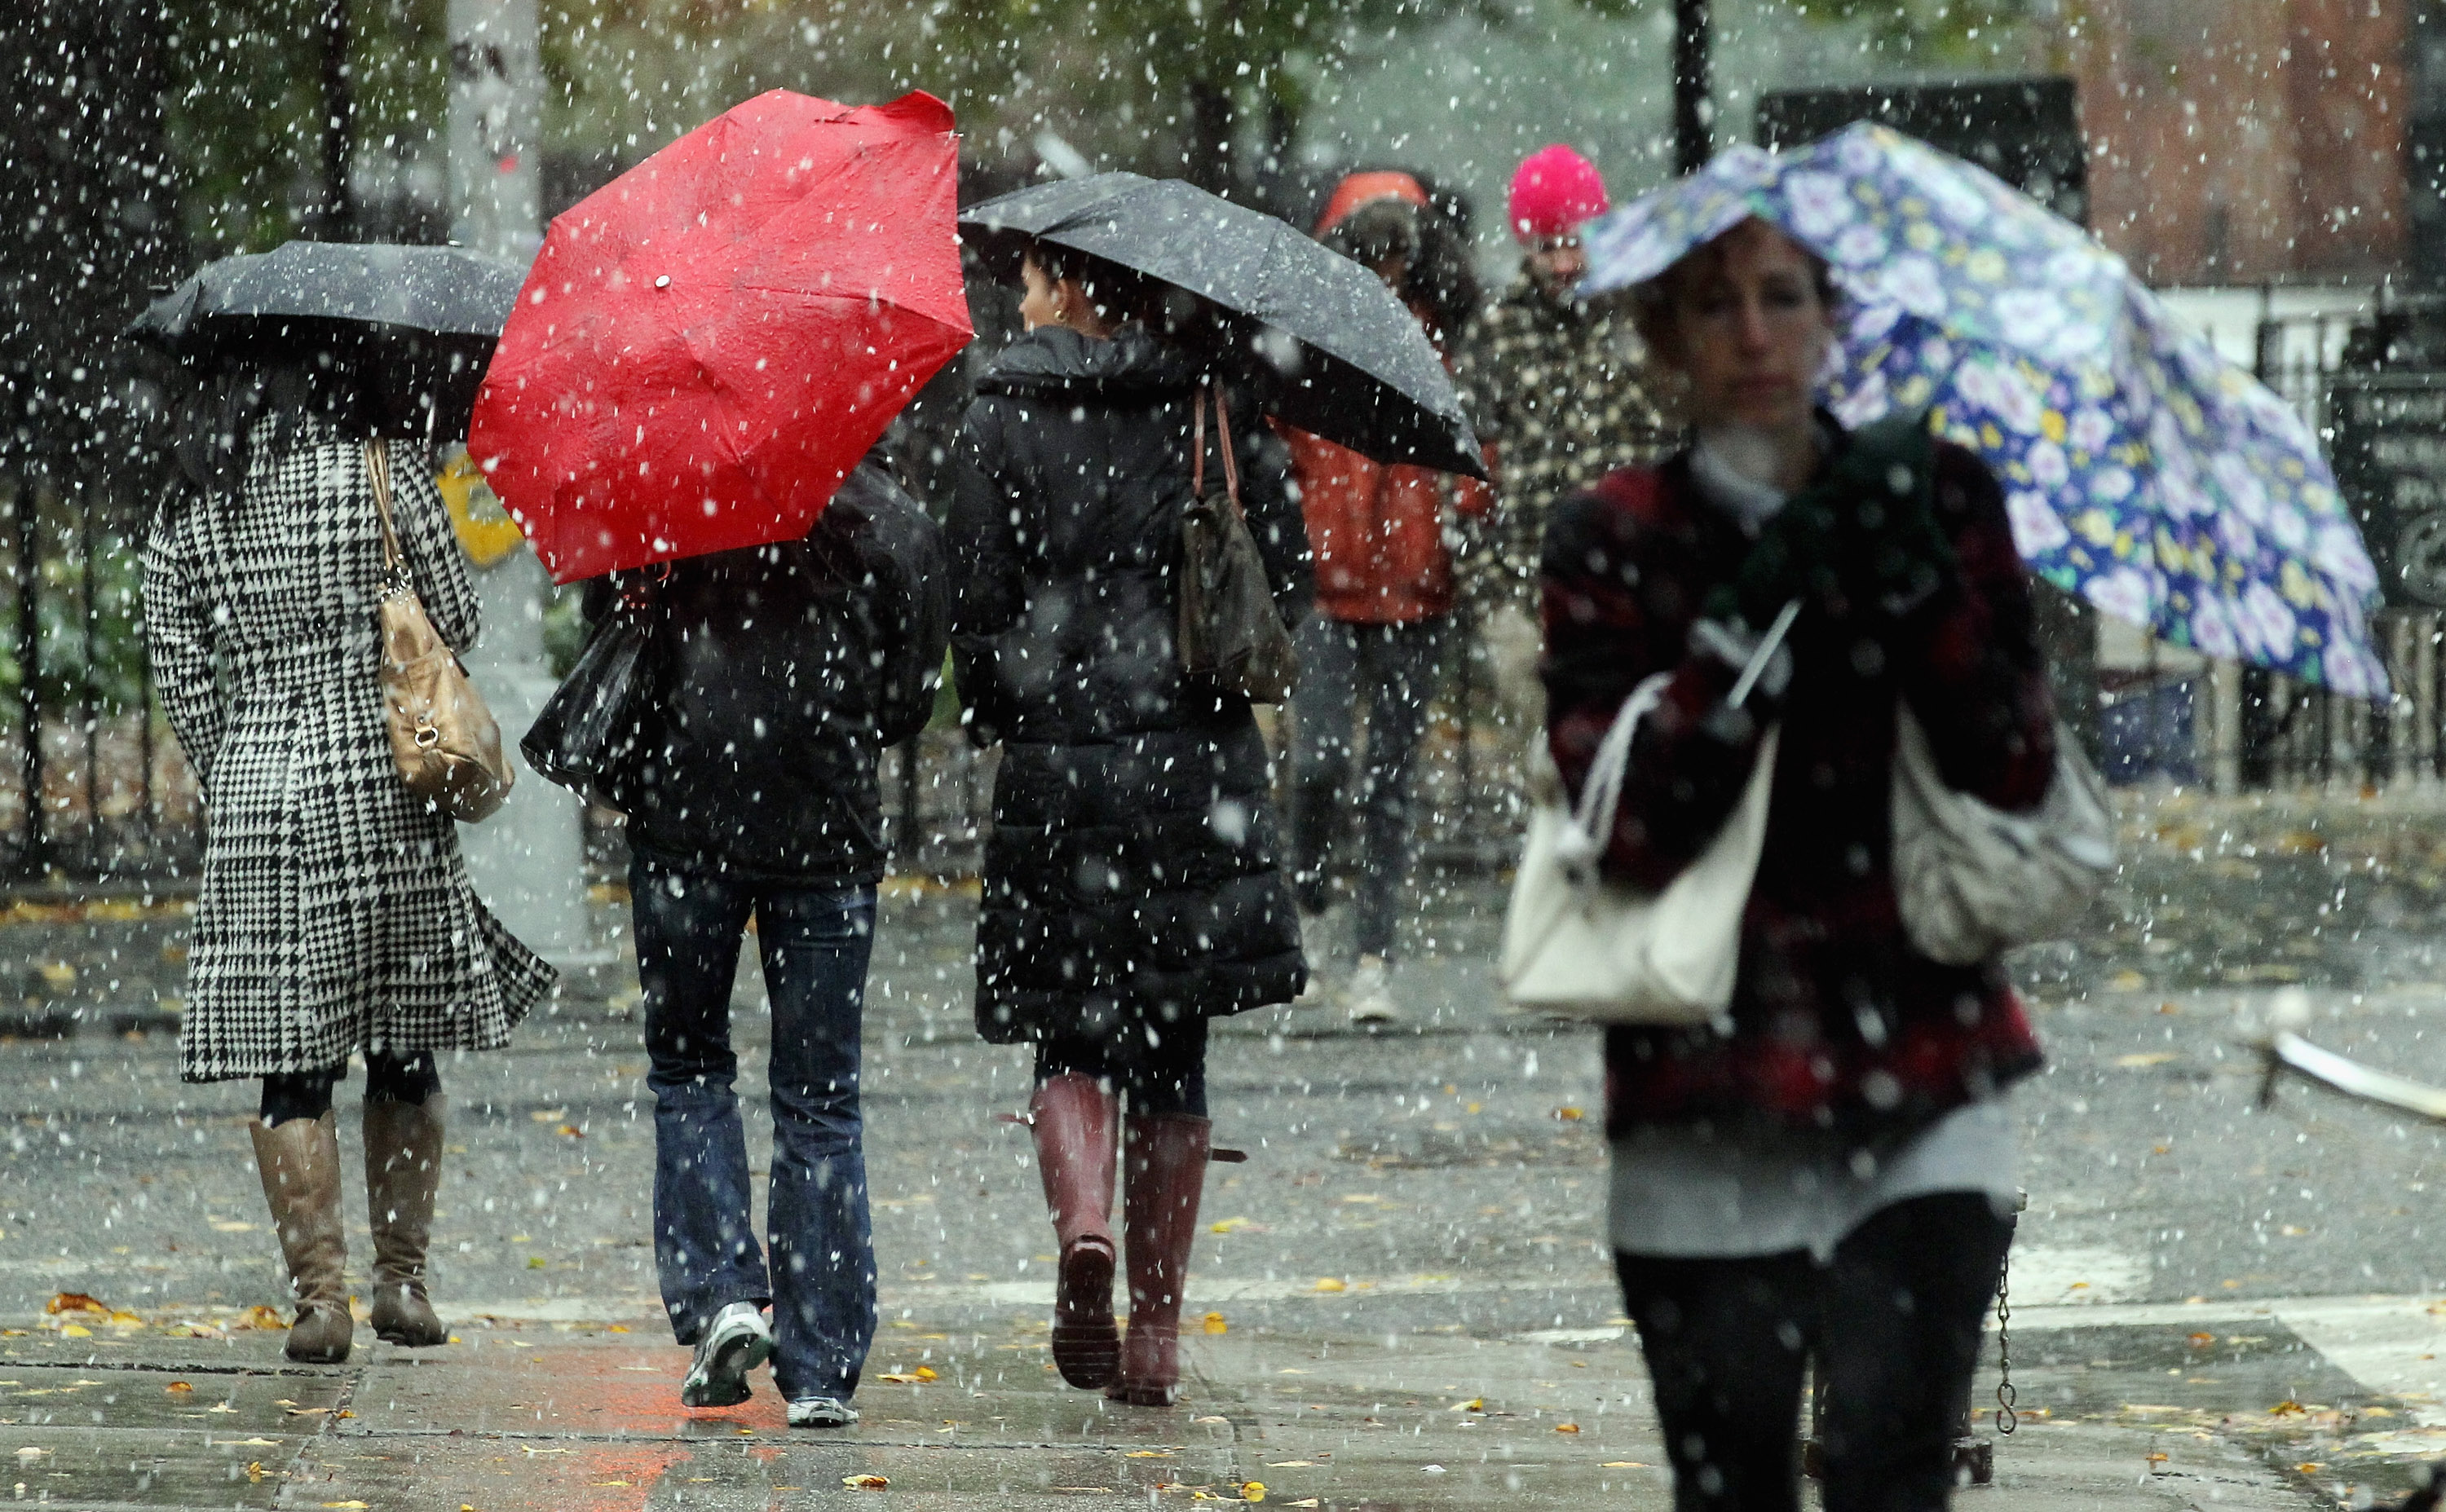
(2141, 469)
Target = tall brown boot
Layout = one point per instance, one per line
(1073, 1118)
(1163, 1175)
(402, 1169)
(300, 1166)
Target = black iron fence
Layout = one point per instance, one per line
(94, 787)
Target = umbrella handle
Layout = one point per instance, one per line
(1230, 464)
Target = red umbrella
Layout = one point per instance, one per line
(706, 347)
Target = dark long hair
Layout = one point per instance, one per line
(219, 415)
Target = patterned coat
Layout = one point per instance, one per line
(1836, 1020)
(1559, 395)
(335, 914)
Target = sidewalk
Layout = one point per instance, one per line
(572, 1417)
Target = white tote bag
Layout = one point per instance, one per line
(1580, 946)
(1974, 880)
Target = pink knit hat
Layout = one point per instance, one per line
(1555, 193)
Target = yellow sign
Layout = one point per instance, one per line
(486, 530)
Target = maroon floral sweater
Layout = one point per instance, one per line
(1836, 1021)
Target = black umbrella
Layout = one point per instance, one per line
(417, 323)
(1340, 356)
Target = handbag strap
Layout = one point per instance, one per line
(1601, 793)
(1230, 464)
(378, 474)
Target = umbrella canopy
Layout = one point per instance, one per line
(417, 322)
(708, 345)
(1343, 358)
(2141, 469)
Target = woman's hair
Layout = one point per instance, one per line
(218, 417)
(1125, 296)
(1655, 303)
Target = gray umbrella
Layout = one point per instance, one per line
(420, 322)
(1339, 355)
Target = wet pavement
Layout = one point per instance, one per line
(2213, 1303)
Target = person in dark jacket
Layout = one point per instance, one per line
(1833, 1174)
(1132, 885)
(778, 673)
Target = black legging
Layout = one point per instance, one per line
(389, 1078)
(1894, 1321)
(1167, 1077)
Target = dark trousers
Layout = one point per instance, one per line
(389, 1078)
(1166, 1077)
(1389, 670)
(814, 942)
(1894, 1322)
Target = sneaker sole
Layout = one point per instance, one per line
(726, 1375)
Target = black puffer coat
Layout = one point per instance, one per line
(1132, 877)
(779, 672)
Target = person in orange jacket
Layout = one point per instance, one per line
(1384, 589)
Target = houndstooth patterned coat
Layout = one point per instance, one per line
(335, 914)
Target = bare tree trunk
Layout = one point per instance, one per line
(1693, 110)
(335, 218)
(1206, 152)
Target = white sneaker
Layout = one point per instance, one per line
(822, 1411)
(1369, 996)
(736, 1342)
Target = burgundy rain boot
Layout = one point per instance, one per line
(1073, 1117)
(1163, 1175)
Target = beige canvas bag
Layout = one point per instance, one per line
(443, 737)
(1973, 881)
(1581, 946)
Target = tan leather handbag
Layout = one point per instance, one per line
(443, 737)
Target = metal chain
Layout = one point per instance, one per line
(2006, 1419)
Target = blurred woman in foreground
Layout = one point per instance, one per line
(1833, 1177)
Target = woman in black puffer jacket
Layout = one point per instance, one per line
(1132, 884)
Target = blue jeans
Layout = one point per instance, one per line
(1391, 670)
(815, 943)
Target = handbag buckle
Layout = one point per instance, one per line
(426, 736)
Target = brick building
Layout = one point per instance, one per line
(2241, 141)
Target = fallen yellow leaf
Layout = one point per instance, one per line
(260, 1316)
(865, 1483)
(1570, 1116)
(1567, 1428)
(1475, 1404)
(618, 1328)
(77, 1331)
(254, 1470)
(2153, 1057)
(1331, 1283)
(1215, 1324)
(177, 1386)
(74, 1302)
(344, 1504)
(1253, 1490)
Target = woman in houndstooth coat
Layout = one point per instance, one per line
(335, 916)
